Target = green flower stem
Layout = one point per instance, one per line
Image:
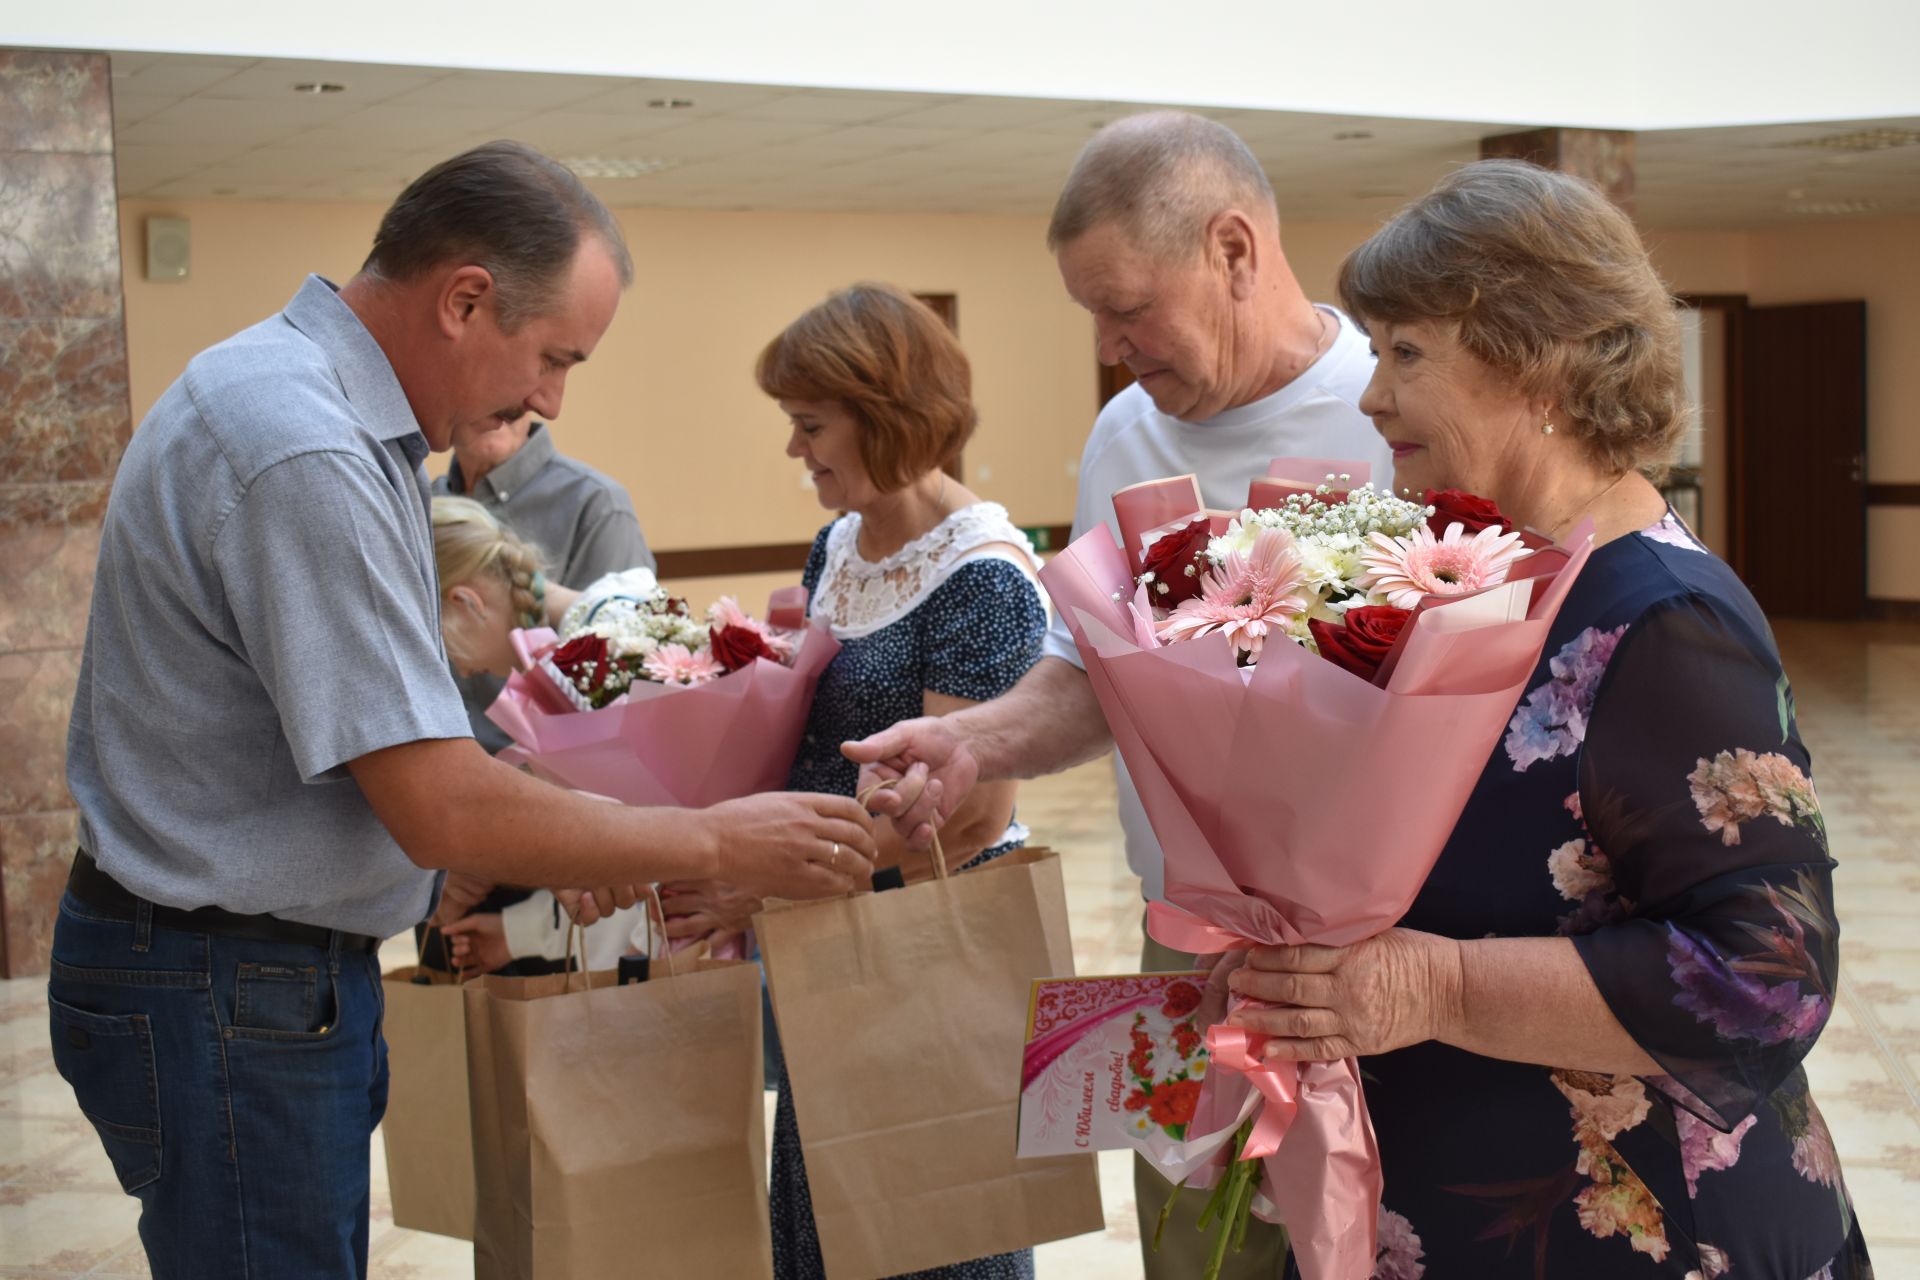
(1217, 1202)
(1233, 1199)
(1166, 1213)
(1246, 1205)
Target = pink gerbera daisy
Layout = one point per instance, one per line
(1407, 569)
(677, 664)
(1245, 597)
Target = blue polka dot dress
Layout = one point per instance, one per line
(956, 612)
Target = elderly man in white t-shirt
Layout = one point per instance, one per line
(1167, 231)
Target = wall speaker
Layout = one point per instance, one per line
(169, 249)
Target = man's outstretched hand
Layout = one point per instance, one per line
(930, 766)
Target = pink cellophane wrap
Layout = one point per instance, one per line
(688, 746)
(1295, 803)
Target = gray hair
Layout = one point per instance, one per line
(1160, 177)
(502, 206)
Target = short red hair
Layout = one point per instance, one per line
(894, 364)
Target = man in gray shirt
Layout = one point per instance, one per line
(269, 756)
(581, 520)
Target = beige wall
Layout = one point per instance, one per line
(668, 406)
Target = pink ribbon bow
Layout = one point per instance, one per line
(1322, 1176)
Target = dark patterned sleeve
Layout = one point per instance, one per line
(1698, 799)
(816, 561)
(981, 631)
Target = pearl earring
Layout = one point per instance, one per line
(1546, 427)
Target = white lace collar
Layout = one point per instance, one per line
(857, 597)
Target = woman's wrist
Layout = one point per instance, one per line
(1448, 967)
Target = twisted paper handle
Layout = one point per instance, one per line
(459, 972)
(939, 854)
(659, 912)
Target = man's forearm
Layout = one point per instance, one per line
(1050, 721)
(486, 818)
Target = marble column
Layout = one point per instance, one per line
(64, 420)
(1602, 156)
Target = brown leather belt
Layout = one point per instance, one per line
(94, 887)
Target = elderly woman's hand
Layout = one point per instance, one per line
(1395, 989)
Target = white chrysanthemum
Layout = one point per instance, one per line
(1239, 537)
(1329, 563)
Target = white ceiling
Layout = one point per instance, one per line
(195, 127)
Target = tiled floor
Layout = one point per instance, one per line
(1859, 694)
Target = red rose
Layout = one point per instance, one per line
(1182, 998)
(1452, 506)
(1169, 559)
(1173, 1103)
(1362, 644)
(735, 647)
(584, 655)
(1137, 1101)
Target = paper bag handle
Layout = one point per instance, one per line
(939, 854)
(576, 938)
(658, 911)
(459, 972)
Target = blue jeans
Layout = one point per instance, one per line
(234, 1084)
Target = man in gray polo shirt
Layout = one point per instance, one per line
(267, 750)
(581, 520)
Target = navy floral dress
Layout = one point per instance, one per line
(1652, 801)
(957, 612)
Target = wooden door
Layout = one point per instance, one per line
(1802, 458)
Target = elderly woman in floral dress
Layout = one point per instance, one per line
(1583, 1044)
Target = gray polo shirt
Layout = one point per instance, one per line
(265, 610)
(582, 521)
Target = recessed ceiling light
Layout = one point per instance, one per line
(1829, 208)
(617, 166)
(670, 104)
(1859, 140)
(1353, 135)
(318, 87)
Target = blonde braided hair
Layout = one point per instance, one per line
(469, 543)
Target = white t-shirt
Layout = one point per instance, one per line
(1317, 415)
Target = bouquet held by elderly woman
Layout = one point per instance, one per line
(1304, 694)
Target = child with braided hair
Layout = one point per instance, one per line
(491, 582)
